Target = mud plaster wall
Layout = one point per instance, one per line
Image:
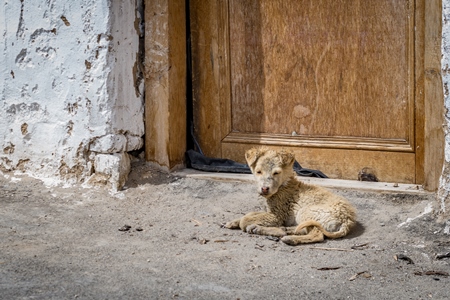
(70, 85)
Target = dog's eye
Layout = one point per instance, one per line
(258, 172)
(275, 173)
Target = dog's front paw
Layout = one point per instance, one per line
(289, 240)
(261, 230)
(253, 228)
(232, 225)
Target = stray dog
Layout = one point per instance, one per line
(299, 213)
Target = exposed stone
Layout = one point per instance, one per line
(134, 142)
(115, 167)
(111, 143)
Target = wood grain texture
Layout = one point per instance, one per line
(165, 82)
(205, 40)
(433, 94)
(322, 142)
(343, 164)
(419, 104)
(429, 104)
(323, 68)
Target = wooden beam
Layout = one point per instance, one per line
(165, 82)
(433, 94)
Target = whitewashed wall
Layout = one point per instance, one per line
(444, 189)
(70, 89)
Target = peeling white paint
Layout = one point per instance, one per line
(447, 227)
(15, 179)
(110, 143)
(444, 183)
(428, 209)
(116, 166)
(68, 75)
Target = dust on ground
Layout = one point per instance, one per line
(72, 243)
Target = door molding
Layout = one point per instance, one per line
(319, 142)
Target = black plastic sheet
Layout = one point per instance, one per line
(198, 161)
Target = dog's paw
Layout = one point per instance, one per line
(261, 230)
(288, 240)
(253, 228)
(232, 225)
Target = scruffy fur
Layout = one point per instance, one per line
(299, 213)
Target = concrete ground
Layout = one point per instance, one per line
(161, 238)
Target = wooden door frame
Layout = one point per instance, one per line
(165, 82)
(166, 103)
(429, 94)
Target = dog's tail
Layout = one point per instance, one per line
(343, 231)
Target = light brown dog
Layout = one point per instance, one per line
(299, 213)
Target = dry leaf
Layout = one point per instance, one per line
(364, 274)
(328, 268)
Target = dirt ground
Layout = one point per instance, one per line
(72, 243)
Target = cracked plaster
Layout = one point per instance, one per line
(68, 78)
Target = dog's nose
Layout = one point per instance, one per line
(265, 190)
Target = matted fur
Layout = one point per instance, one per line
(299, 213)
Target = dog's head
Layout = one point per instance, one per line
(271, 168)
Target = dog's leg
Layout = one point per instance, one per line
(262, 223)
(292, 230)
(264, 230)
(314, 236)
(235, 223)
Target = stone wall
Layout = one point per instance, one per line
(70, 85)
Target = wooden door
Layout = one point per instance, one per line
(332, 80)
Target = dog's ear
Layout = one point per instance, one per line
(287, 158)
(252, 155)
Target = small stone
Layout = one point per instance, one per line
(125, 228)
(203, 241)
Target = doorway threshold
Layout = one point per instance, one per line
(383, 187)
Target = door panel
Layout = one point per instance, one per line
(331, 80)
(322, 68)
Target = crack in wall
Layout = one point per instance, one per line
(20, 28)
